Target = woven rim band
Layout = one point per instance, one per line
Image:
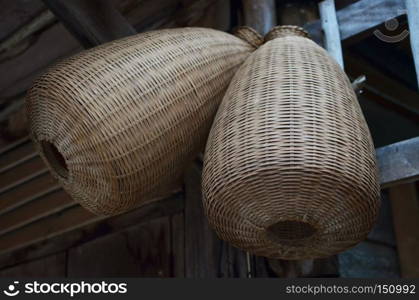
(249, 35)
(286, 30)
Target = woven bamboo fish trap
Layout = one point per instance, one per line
(118, 123)
(290, 169)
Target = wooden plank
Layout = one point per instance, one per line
(140, 251)
(15, 13)
(362, 16)
(34, 210)
(51, 266)
(45, 18)
(405, 204)
(331, 30)
(92, 22)
(399, 162)
(25, 193)
(369, 260)
(387, 88)
(413, 18)
(152, 14)
(21, 173)
(383, 230)
(69, 219)
(178, 245)
(160, 206)
(323, 267)
(372, 101)
(206, 256)
(233, 262)
(259, 14)
(42, 52)
(74, 227)
(13, 158)
(222, 15)
(13, 145)
(201, 244)
(298, 13)
(261, 267)
(391, 60)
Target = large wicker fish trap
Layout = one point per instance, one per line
(290, 169)
(118, 123)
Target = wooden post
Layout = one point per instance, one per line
(413, 19)
(222, 18)
(200, 242)
(405, 208)
(331, 30)
(299, 13)
(42, 20)
(206, 256)
(92, 22)
(259, 14)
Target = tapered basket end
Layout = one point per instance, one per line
(286, 30)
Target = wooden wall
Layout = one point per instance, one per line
(34, 210)
(43, 232)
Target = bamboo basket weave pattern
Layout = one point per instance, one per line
(119, 122)
(289, 169)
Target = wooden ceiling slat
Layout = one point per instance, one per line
(92, 22)
(11, 158)
(13, 145)
(69, 219)
(21, 173)
(35, 210)
(25, 193)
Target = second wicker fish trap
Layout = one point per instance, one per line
(290, 169)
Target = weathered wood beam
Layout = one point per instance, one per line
(11, 108)
(201, 244)
(51, 44)
(299, 13)
(12, 146)
(206, 256)
(405, 207)
(259, 14)
(393, 60)
(42, 20)
(56, 201)
(320, 267)
(413, 18)
(92, 22)
(399, 162)
(361, 16)
(331, 30)
(222, 17)
(387, 88)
